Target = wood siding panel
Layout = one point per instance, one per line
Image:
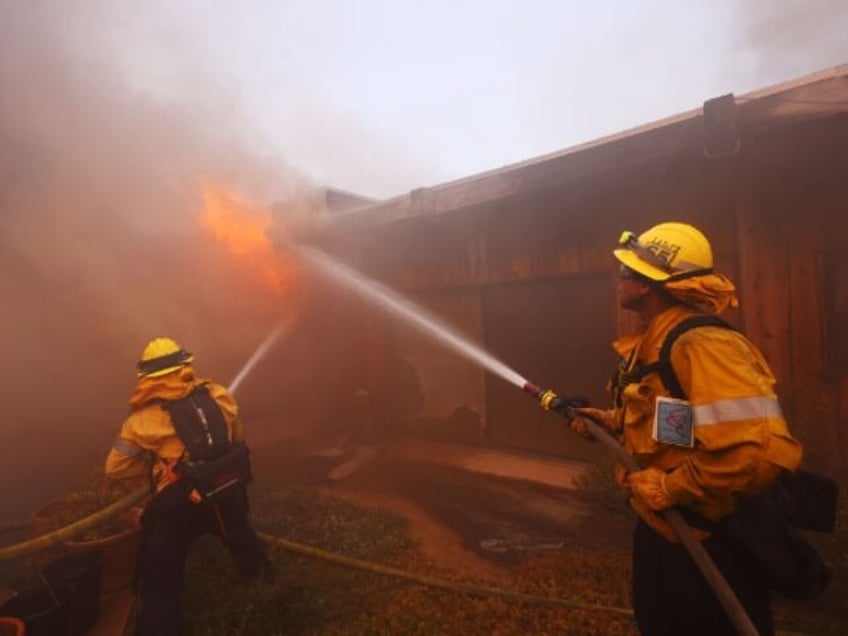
(841, 426)
(772, 213)
(763, 292)
(806, 296)
(556, 333)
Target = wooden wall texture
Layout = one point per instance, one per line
(776, 213)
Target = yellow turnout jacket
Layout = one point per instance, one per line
(148, 434)
(741, 441)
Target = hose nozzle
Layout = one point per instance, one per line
(547, 400)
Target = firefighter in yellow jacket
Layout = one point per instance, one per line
(185, 433)
(719, 441)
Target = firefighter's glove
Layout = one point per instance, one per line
(604, 419)
(575, 400)
(649, 486)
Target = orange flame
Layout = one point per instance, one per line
(242, 228)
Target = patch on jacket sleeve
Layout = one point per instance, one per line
(673, 422)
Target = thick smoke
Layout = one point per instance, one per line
(776, 41)
(100, 248)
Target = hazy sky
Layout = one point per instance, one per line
(380, 96)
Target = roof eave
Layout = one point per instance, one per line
(817, 95)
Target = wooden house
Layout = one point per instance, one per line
(519, 259)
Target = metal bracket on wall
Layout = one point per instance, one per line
(720, 136)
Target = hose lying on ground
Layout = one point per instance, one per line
(45, 541)
(77, 528)
(431, 581)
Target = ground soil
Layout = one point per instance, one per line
(465, 520)
(486, 526)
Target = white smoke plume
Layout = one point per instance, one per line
(100, 247)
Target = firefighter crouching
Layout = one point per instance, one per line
(185, 432)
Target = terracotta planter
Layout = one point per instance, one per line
(11, 626)
(82, 571)
(118, 550)
(43, 611)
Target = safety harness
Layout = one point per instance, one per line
(625, 375)
(210, 468)
(210, 464)
(763, 526)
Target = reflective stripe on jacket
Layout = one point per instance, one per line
(148, 427)
(741, 439)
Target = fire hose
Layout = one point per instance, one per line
(444, 333)
(551, 402)
(49, 539)
(435, 582)
(72, 530)
(724, 593)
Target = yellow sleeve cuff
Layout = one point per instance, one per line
(680, 489)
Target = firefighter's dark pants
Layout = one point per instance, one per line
(672, 597)
(168, 532)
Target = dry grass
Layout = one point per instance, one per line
(318, 598)
(314, 597)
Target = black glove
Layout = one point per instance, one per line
(575, 400)
(566, 404)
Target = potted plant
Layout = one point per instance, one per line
(116, 540)
(10, 626)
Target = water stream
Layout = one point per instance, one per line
(413, 314)
(281, 328)
(431, 325)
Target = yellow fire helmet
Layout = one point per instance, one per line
(668, 251)
(162, 356)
